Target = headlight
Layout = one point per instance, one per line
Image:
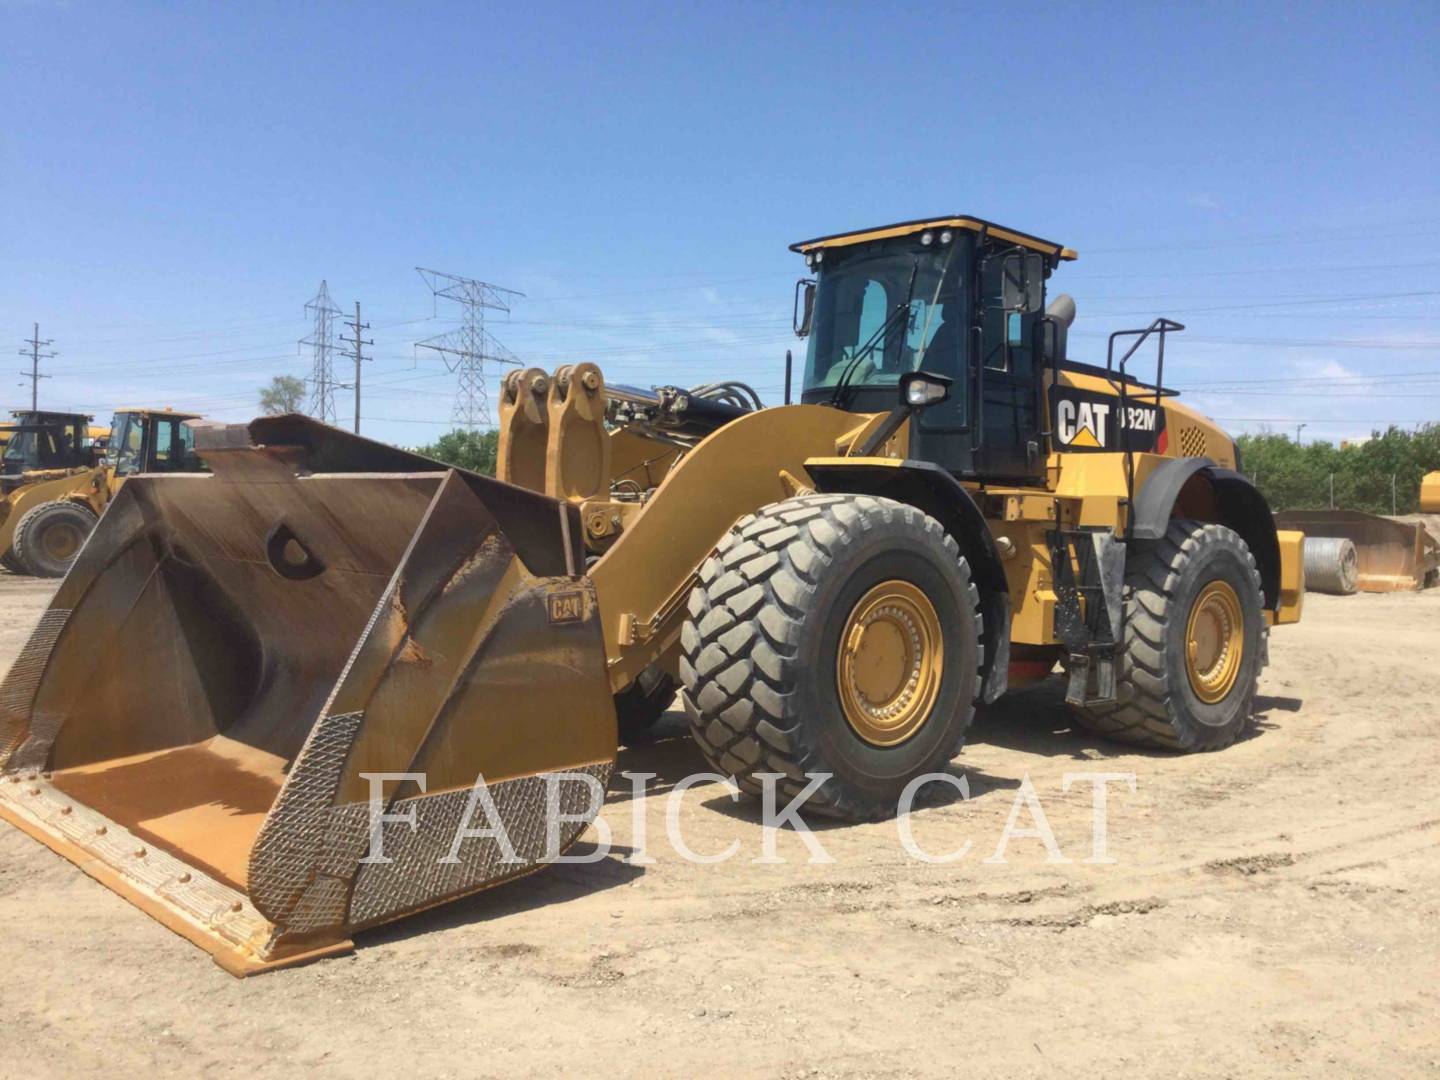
(921, 388)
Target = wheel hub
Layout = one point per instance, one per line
(1214, 642)
(61, 541)
(890, 662)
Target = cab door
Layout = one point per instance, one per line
(1008, 368)
(171, 446)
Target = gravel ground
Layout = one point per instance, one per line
(1271, 909)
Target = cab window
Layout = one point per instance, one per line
(127, 444)
(174, 447)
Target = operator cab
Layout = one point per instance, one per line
(152, 440)
(957, 297)
(45, 440)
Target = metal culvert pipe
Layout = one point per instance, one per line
(1331, 565)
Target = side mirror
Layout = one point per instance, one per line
(1022, 282)
(804, 309)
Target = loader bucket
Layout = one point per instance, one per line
(260, 701)
(1392, 555)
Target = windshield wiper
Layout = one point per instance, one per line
(843, 383)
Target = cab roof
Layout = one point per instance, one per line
(143, 410)
(50, 414)
(954, 221)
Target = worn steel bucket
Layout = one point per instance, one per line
(1392, 555)
(200, 717)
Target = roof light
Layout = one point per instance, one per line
(820, 256)
(809, 258)
(946, 236)
(927, 238)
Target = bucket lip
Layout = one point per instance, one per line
(206, 912)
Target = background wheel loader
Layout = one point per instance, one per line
(250, 678)
(56, 489)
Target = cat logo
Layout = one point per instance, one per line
(566, 607)
(1086, 420)
(1082, 423)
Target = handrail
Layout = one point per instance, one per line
(1160, 326)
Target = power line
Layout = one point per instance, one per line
(33, 351)
(466, 349)
(1357, 379)
(1347, 269)
(1306, 343)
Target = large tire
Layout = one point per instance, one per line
(1159, 701)
(641, 704)
(761, 649)
(48, 538)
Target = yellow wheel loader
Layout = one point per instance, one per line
(50, 509)
(47, 455)
(263, 699)
(1430, 493)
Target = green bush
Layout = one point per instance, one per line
(465, 449)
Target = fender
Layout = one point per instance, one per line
(930, 488)
(1239, 505)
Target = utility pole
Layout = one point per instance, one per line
(32, 350)
(360, 357)
(1299, 428)
(466, 349)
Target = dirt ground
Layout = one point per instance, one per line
(1272, 909)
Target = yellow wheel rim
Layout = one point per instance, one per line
(890, 663)
(1214, 642)
(62, 541)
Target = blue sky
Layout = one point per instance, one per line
(175, 181)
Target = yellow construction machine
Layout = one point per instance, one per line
(56, 484)
(260, 702)
(45, 452)
(1430, 493)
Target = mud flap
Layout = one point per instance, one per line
(259, 704)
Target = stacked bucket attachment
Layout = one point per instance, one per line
(1391, 555)
(202, 718)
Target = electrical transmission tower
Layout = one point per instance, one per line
(322, 341)
(466, 349)
(32, 349)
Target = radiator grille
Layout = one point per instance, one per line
(1192, 442)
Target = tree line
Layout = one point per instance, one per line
(1293, 476)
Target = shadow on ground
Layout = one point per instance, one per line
(1036, 720)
